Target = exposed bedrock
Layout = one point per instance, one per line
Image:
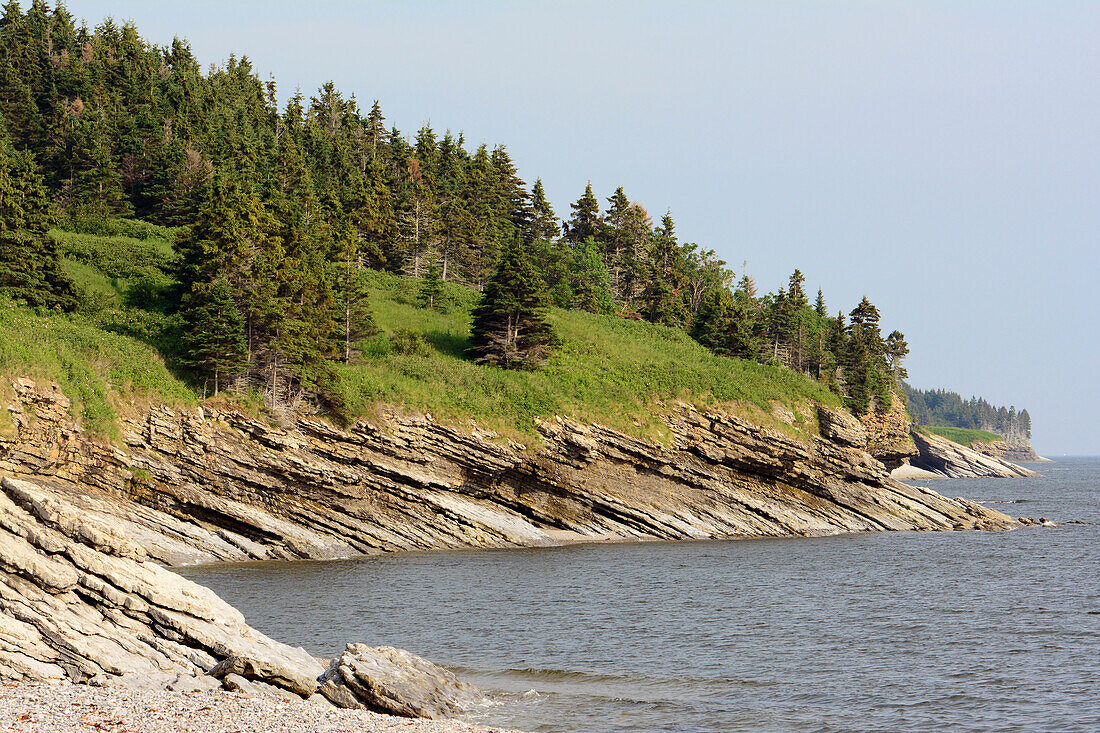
(947, 459)
(1014, 452)
(205, 484)
(81, 601)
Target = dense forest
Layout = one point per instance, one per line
(278, 212)
(938, 407)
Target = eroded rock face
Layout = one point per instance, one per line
(80, 602)
(203, 485)
(888, 434)
(1016, 453)
(394, 681)
(948, 459)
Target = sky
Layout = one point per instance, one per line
(939, 158)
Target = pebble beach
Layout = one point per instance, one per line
(69, 708)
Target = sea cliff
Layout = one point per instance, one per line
(209, 484)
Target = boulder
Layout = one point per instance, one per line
(394, 681)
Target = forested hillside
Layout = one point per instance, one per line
(270, 223)
(939, 407)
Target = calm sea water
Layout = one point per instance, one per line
(887, 632)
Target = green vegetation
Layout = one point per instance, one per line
(941, 407)
(260, 249)
(607, 369)
(962, 436)
(99, 371)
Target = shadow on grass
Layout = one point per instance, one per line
(453, 344)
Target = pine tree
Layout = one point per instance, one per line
(508, 329)
(819, 304)
(354, 318)
(30, 268)
(544, 223)
(896, 351)
(795, 292)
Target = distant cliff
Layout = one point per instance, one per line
(1014, 452)
(947, 459)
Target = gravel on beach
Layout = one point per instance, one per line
(69, 708)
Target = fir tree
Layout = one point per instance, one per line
(508, 329)
(544, 223)
(585, 221)
(354, 318)
(431, 287)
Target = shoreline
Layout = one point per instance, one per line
(65, 707)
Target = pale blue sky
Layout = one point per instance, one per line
(940, 158)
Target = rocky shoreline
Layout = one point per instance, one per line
(69, 708)
(210, 484)
(938, 457)
(89, 529)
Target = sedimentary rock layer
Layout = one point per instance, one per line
(947, 459)
(81, 601)
(206, 484)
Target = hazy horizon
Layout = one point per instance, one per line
(936, 158)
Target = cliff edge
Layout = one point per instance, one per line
(206, 484)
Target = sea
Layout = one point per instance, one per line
(909, 631)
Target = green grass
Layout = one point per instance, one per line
(619, 373)
(99, 371)
(607, 370)
(962, 436)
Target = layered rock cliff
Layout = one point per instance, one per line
(85, 596)
(1005, 451)
(82, 601)
(947, 459)
(206, 484)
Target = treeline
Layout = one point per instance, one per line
(938, 407)
(283, 208)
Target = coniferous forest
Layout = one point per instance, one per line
(939, 407)
(278, 213)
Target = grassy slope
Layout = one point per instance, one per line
(607, 370)
(962, 436)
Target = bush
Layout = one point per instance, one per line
(409, 343)
(102, 226)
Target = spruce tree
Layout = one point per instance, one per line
(354, 320)
(508, 329)
(585, 221)
(431, 287)
(213, 339)
(30, 268)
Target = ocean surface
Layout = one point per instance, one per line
(958, 631)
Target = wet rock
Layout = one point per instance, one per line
(397, 682)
